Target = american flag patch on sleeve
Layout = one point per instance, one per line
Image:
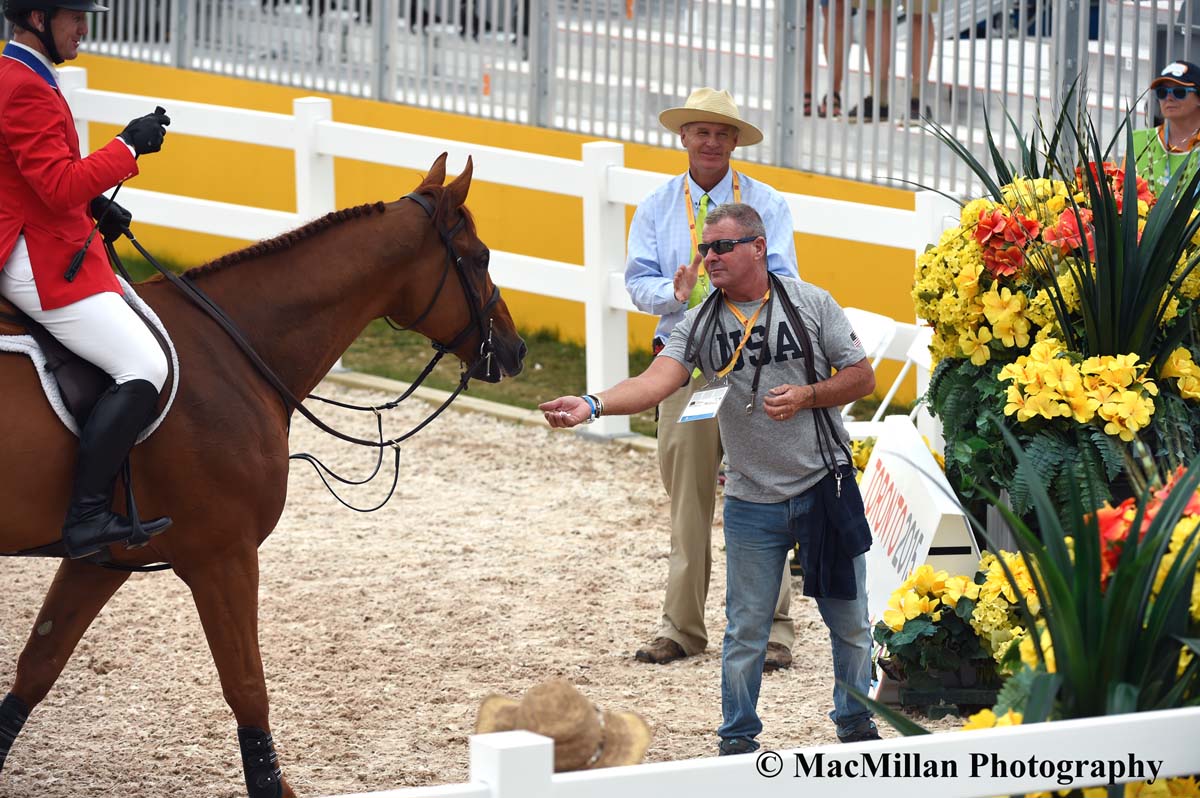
(854, 339)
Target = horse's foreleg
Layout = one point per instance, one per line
(226, 595)
(77, 594)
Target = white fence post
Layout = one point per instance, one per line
(935, 213)
(516, 764)
(315, 195)
(314, 172)
(72, 79)
(607, 328)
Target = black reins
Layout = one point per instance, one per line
(480, 321)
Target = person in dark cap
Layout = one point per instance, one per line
(52, 265)
(1163, 150)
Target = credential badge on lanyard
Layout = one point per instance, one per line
(705, 402)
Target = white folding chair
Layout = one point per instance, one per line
(875, 332)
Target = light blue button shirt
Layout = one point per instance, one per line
(660, 241)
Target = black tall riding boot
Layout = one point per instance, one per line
(119, 416)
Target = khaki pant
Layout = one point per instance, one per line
(689, 457)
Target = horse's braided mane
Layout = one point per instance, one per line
(287, 240)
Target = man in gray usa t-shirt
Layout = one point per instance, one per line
(775, 457)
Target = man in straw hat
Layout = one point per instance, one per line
(584, 737)
(665, 276)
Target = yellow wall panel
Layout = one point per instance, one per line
(511, 219)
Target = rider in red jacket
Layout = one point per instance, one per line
(48, 196)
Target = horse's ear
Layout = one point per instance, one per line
(461, 185)
(437, 172)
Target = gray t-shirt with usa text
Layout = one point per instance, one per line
(768, 460)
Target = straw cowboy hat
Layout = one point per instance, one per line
(710, 105)
(584, 737)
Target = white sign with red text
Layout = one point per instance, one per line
(912, 515)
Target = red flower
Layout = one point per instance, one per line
(1114, 529)
(1020, 230)
(1116, 178)
(992, 224)
(1003, 262)
(1066, 234)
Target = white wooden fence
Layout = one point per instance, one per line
(599, 178)
(518, 764)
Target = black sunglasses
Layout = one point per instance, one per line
(1178, 92)
(723, 246)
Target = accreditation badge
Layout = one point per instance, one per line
(704, 403)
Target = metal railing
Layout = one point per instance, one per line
(606, 68)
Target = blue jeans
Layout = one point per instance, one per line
(757, 540)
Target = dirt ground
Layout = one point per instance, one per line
(509, 555)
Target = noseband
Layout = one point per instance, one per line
(481, 312)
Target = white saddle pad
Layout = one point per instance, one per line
(24, 344)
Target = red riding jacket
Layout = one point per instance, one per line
(46, 186)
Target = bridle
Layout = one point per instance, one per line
(481, 313)
(481, 321)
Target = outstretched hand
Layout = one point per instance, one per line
(566, 411)
(685, 278)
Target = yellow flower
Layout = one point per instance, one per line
(929, 582)
(914, 606)
(1009, 718)
(987, 719)
(967, 280)
(1126, 412)
(1181, 367)
(1042, 404)
(1029, 654)
(956, 588)
(1003, 309)
(974, 344)
(983, 719)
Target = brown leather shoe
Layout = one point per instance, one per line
(660, 652)
(778, 658)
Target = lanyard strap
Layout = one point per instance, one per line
(747, 325)
(691, 209)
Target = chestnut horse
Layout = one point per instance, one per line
(218, 465)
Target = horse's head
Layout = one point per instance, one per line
(462, 312)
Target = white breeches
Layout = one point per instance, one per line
(101, 328)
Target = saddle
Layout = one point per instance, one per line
(73, 385)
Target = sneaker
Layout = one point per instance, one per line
(737, 745)
(869, 112)
(660, 652)
(865, 732)
(778, 658)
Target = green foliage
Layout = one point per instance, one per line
(1116, 643)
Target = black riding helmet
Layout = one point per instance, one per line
(17, 12)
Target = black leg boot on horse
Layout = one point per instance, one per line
(119, 416)
(13, 714)
(260, 763)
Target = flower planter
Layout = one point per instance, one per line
(938, 702)
(939, 693)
